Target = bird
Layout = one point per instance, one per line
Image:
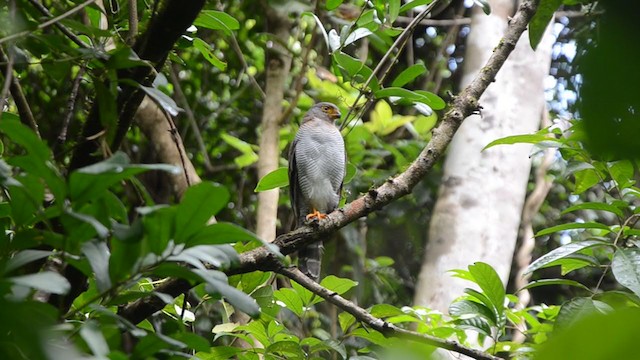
(317, 167)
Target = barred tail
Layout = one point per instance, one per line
(310, 260)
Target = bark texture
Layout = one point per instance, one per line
(477, 215)
(278, 66)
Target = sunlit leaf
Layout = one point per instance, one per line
(276, 179)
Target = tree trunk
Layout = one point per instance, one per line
(477, 215)
(278, 66)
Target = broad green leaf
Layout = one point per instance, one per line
(371, 335)
(351, 172)
(573, 226)
(346, 320)
(578, 308)
(594, 206)
(412, 4)
(595, 336)
(276, 179)
(319, 24)
(478, 324)
(466, 308)
(287, 349)
(162, 99)
(92, 181)
(541, 20)
(333, 4)
(24, 257)
(385, 311)
(408, 75)
(47, 281)
(305, 295)
(585, 180)
(208, 54)
(489, 281)
(217, 283)
(219, 353)
(545, 282)
(622, 172)
(563, 251)
(199, 203)
(354, 69)
(159, 228)
(626, 268)
(394, 10)
(92, 336)
(98, 254)
(248, 156)
(217, 20)
(99, 228)
(338, 285)
(291, 300)
(413, 96)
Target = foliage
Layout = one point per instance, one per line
(115, 223)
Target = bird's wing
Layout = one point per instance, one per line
(295, 194)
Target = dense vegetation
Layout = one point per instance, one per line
(110, 250)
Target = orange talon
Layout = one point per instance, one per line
(316, 215)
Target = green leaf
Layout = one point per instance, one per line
(356, 35)
(465, 308)
(92, 181)
(412, 4)
(385, 311)
(578, 308)
(291, 300)
(596, 336)
(162, 99)
(351, 172)
(408, 75)
(208, 54)
(100, 229)
(563, 251)
(346, 320)
(424, 97)
(217, 283)
(219, 353)
(159, 227)
(217, 20)
(248, 155)
(546, 282)
(47, 281)
(98, 254)
(371, 335)
(585, 180)
(199, 203)
(489, 281)
(622, 172)
(484, 4)
(594, 206)
(573, 226)
(24, 257)
(541, 19)
(520, 139)
(352, 68)
(338, 285)
(92, 336)
(394, 10)
(305, 295)
(276, 179)
(333, 4)
(626, 268)
(287, 349)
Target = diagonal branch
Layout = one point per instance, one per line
(461, 107)
(387, 329)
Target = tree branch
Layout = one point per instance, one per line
(462, 106)
(387, 329)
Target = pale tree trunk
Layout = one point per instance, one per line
(278, 66)
(477, 214)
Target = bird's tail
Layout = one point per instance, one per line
(310, 260)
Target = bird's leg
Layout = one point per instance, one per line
(316, 215)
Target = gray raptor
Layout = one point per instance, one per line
(317, 165)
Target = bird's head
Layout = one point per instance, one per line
(325, 110)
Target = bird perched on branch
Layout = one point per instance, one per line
(317, 165)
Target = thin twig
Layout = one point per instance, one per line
(245, 66)
(8, 76)
(435, 22)
(71, 104)
(387, 329)
(48, 22)
(133, 22)
(24, 110)
(190, 117)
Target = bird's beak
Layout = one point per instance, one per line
(335, 114)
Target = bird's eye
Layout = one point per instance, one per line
(325, 108)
